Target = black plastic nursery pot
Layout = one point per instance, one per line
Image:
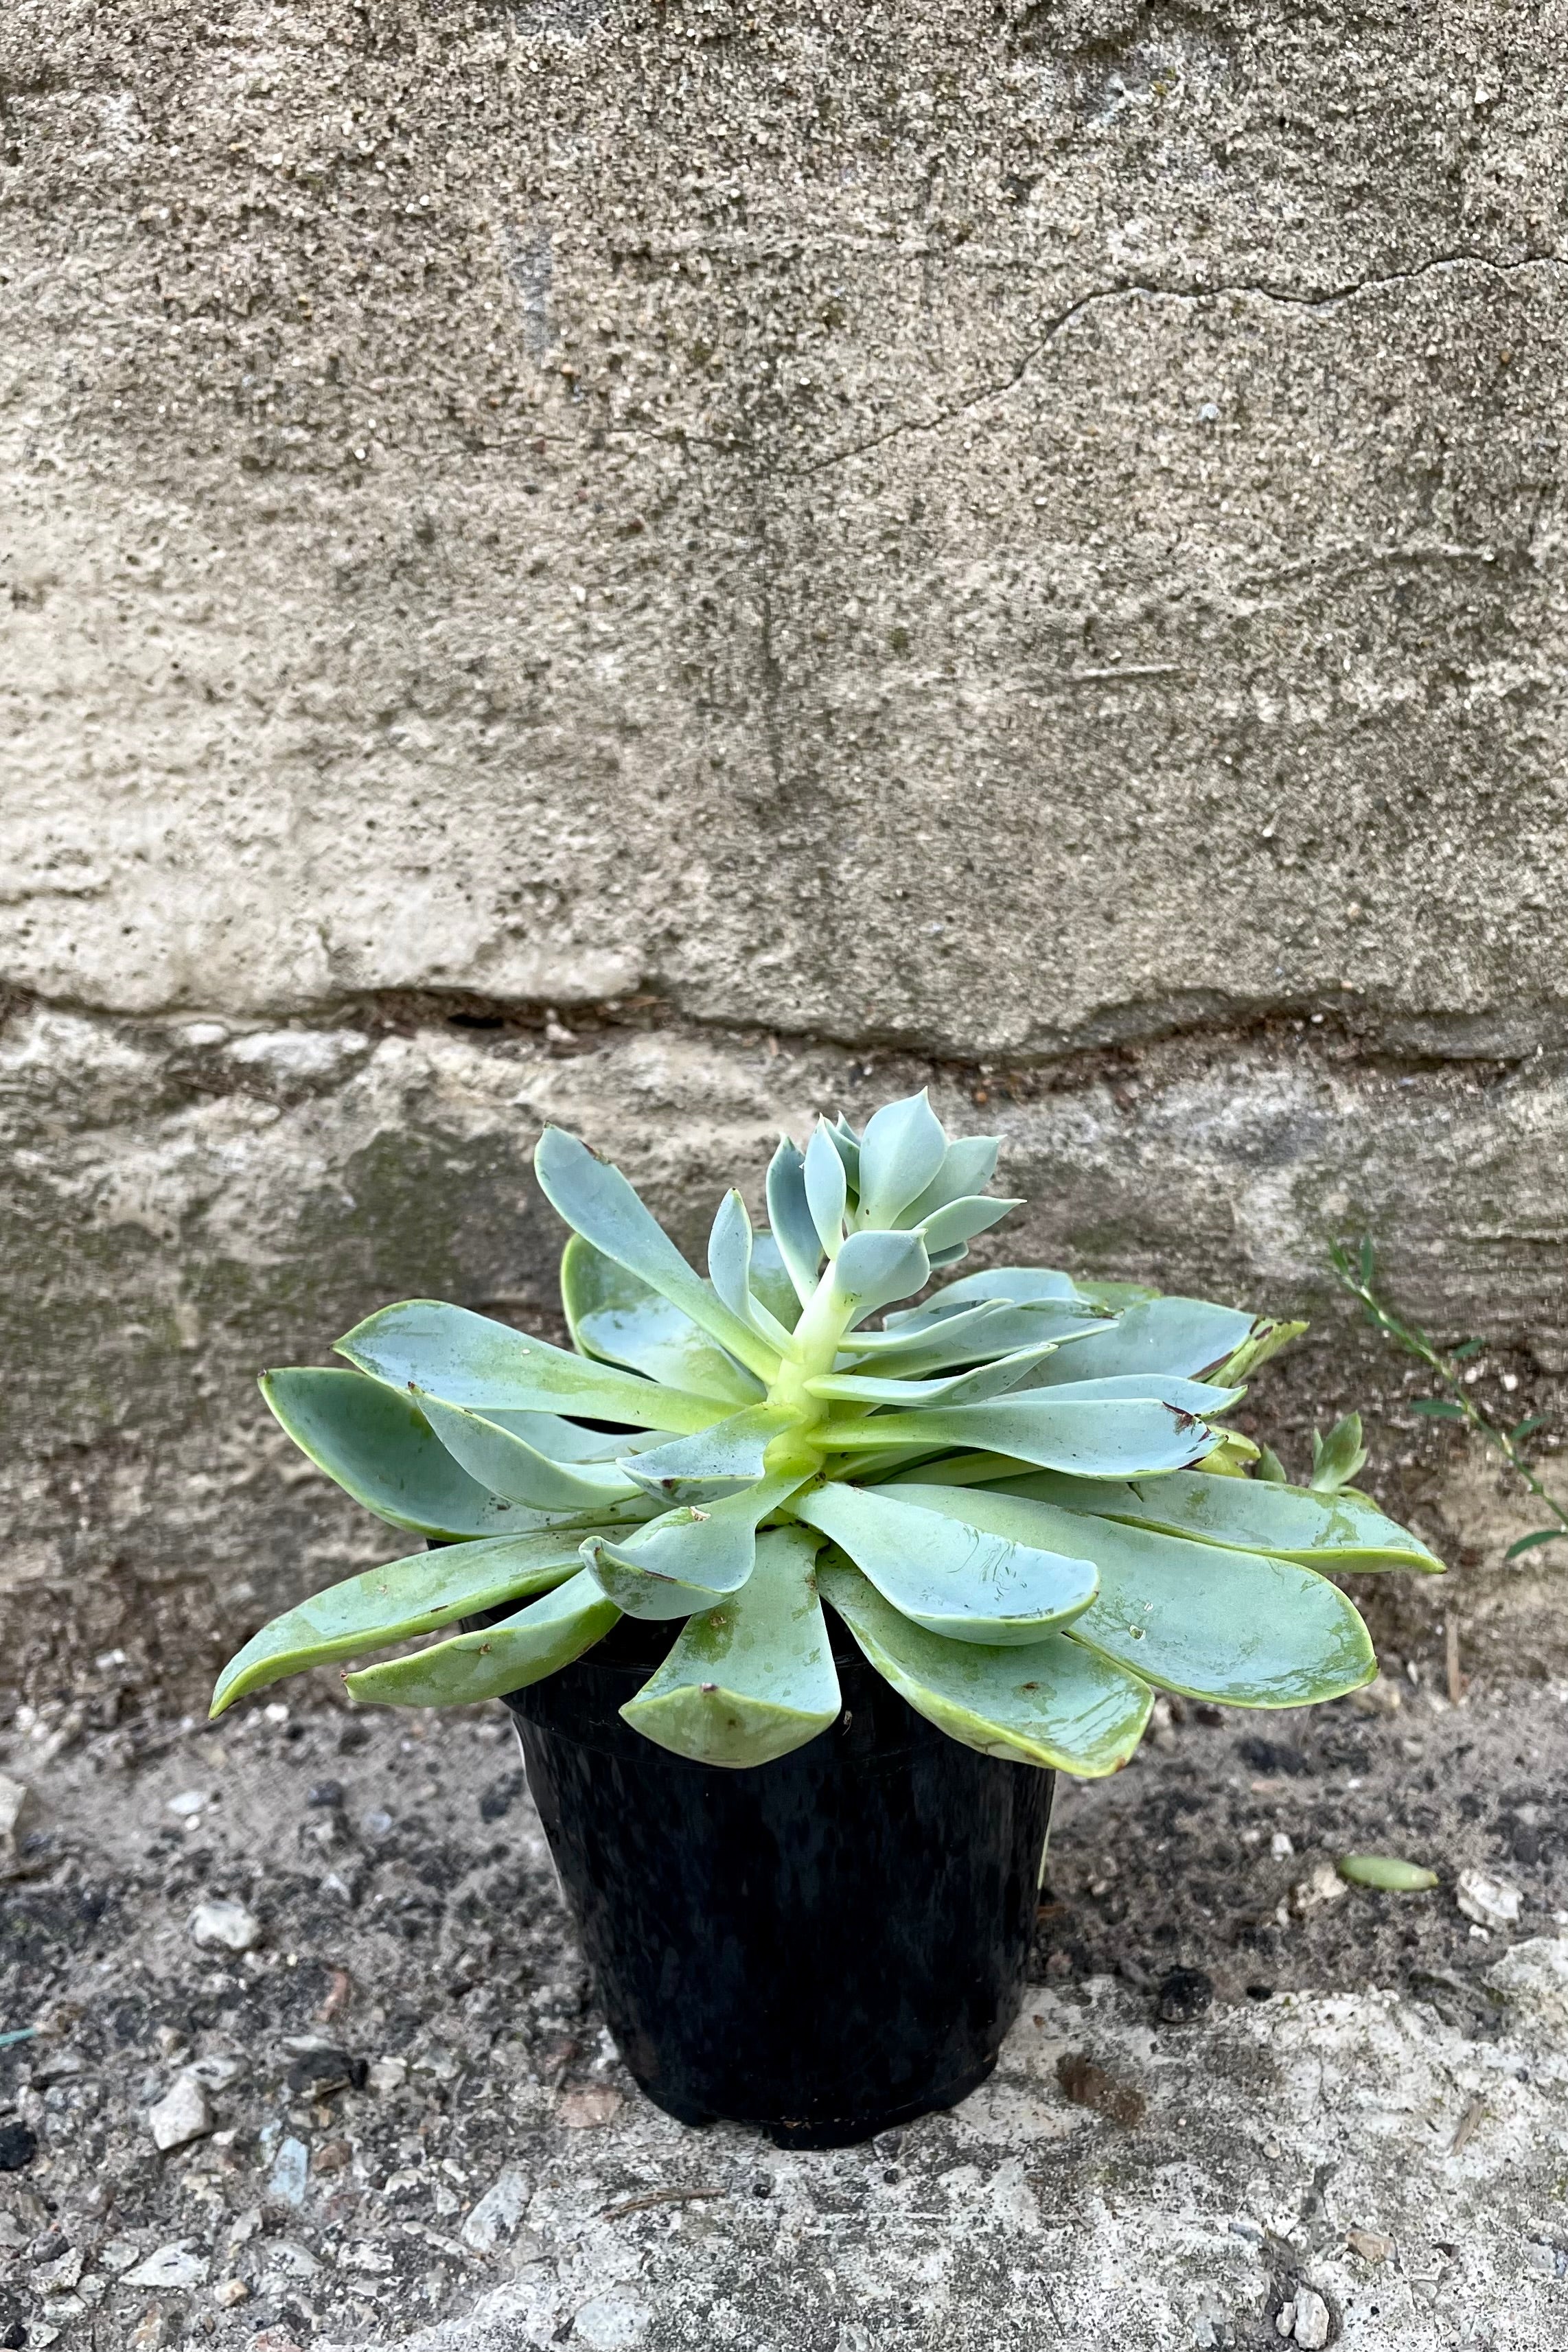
(823, 1946)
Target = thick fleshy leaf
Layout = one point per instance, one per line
(1240, 1628)
(1333, 1532)
(956, 1388)
(563, 1440)
(789, 1215)
(873, 1267)
(847, 1144)
(1117, 1295)
(902, 1150)
(961, 1581)
(506, 1656)
(771, 1283)
(681, 1560)
(730, 1255)
(972, 1335)
(957, 1226)
(612, 1314)
(753, 1677)
(1052, 1702)
(1179, 1335)
(826, 1187)
(418, 1595)
(467, 1358)
(716, 1462)
(967, 1168)
(509, 1465)
(1266, 1339)
(377, 1446)
(1092, 1437)
(598, 1201)
(1015, 1285)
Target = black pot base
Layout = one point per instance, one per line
(829, 2131)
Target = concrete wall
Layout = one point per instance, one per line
(659, 564)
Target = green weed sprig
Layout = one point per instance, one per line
(1457, 1404)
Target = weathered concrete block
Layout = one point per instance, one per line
(983, 534)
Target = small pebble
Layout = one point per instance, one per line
(498, 2212)
(1322, 1884)
(228, 1926)
(230, 2291)
(181, 2116)
(176, 2264)
(1370, 2244)
(387, 2074)
(1311, 2320)
(1490, 1901)
(188, 1801)
(19, 2146)
(290, 2168)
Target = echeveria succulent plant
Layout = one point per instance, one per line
(1018, 1495)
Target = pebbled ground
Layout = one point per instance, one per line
(1206, 2092)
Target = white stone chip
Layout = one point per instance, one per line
(1321, 1884)
(388, 2075)
(177, 2265)
(610, 2323)
(498, 2212)
(1311, 2319)
(16, 1799)
(182, 2115)
(228, 1924)
(1490, 1901)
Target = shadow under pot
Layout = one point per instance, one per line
(823, 1946)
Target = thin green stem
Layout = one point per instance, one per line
(1356, 1277)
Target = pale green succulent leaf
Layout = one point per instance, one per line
(730, 1256)
(1117, 1295)
(1013, 1286)
(614, 1316)
(975, 1335)
(566, 1440)
(509, 1466)
(1338, 1457)
(717, 1461)
(599, 1202)
(771, 1284)
(376, 1443)
(826, 1187)
(958, 1581)
(967, 1168)
(1270, 1469)
(1051, 1703)
(1091, 1437)
(467, 1359)
(422, 1594)
(956, 1388)
(873, 1267)
(902, 1150)
(1266, 1339)
(847, 1144)
(1332, 1532)
(683, 1559)
(954, 1227)
(751, 1678)
(789, 1215)
(1242, 1629)
(1169, 1336)
(506, 1656)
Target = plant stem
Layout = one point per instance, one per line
(1355, 1276)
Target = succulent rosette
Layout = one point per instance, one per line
(1017, 1491)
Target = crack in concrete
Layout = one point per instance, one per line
(1330, 299)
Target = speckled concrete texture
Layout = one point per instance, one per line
(1226, 2102)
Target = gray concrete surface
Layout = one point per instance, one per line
(1360, 2100)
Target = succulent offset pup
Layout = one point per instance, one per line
(1018, 1495)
